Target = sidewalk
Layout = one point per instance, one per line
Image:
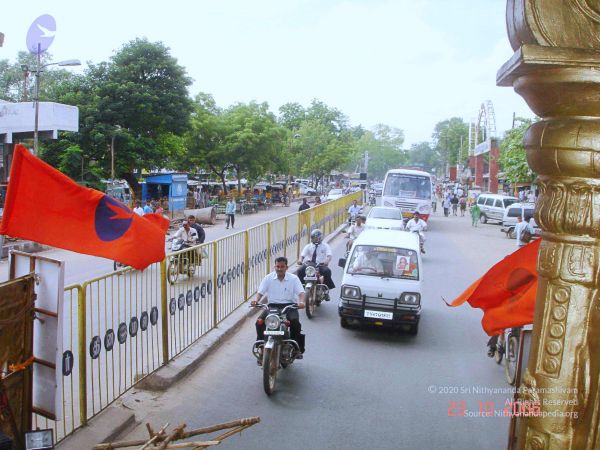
(123, 414)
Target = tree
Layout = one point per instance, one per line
(252, 139)
(423, 155)
(513, 157)
(451, 139)
(384, 145)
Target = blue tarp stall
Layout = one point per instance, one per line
(170, 185)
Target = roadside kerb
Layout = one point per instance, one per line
(119, 417)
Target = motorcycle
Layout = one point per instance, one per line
(372, 200)
(286, 200)
(184, 263)
(507, 347)
(277, 350)
(421, 240)
(315, 290)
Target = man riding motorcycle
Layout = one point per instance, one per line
(418, 225)
(354, 211)
(281, 288)
(319, 253)
(354, 231)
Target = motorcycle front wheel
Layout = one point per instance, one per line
(270, 366)
(172, 271)
(311, 301)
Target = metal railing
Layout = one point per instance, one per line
(123, 326)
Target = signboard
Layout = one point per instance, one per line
(47, 331)
(482, 148)
(41, 34)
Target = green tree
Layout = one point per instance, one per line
(384, 145)
(423, 155)
(450, 139)
(513, 157)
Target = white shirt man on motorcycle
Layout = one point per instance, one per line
(187, 233)
(281, 288)
(354, 231)
(418, 225)
(319, 253)
(354, 210)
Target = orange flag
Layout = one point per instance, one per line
(44, 205)
(506, 293)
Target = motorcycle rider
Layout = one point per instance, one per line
(354, 231)
(190, 237)
(281, 287)
(354, 210)
(198, 228)
(417, 225)
(319, 253)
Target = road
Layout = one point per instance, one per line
(367, 388)
(80, 267)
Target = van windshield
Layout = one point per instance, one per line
(407, 186)
(509, 201)
(387, 262)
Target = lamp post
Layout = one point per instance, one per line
(112, 152)
(68, 62)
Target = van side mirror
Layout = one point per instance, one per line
(342, 262)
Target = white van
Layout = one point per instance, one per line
(492, 206)
(382, 282)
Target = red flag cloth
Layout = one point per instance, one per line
(44, 205)
(506, 293)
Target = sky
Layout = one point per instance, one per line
(408, 64)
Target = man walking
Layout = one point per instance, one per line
(230, 212)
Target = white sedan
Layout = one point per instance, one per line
(385, 218)
(334, 194)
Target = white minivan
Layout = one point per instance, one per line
(382, 281)
(492, 206)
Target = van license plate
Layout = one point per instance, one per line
(274, 333)
(379, 315)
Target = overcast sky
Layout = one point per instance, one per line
(405, 63)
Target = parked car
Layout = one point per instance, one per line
(305, 190)
(334, 194)
(381, 217)
(525, 210)
(493, 206)
(382, 281)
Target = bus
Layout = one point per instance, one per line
(409, 190)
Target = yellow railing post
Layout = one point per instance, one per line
(285, 236)
(246, 271)
(164, 311)
(268, 246)
(215, 287)
(81, 315)
(300, 214)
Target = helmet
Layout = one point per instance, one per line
(316, 236)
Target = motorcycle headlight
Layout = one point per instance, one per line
(411, 298)
(272, 322)
(350, 291)
(310, 271)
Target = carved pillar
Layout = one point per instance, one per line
(556, 69)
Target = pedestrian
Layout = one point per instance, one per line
(454, 203)
(446, 205)
(148, 208)
(475, 214)
(304, 205)
(462, 202)
(197, 198)
(523, 232)
(138, 208)
(317, 200)
(230, 212)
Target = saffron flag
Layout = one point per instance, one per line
(44, 205)
(506, 293)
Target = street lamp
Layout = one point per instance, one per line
(112, 152)
(68, 62)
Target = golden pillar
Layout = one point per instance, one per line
(556, 69)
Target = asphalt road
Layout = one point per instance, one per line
(366, 388)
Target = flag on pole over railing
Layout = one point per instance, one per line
(506, 293)
(45, 206)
